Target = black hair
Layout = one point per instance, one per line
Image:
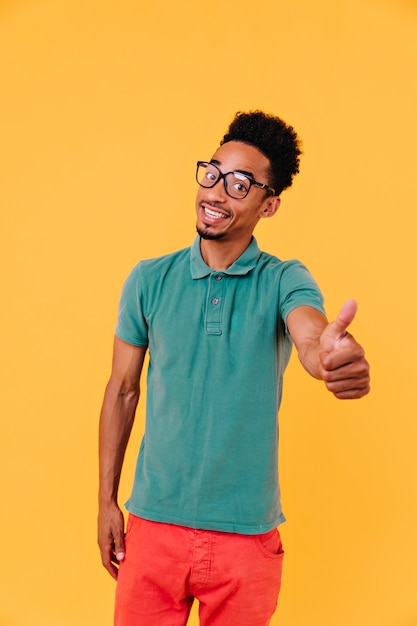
(274, 138)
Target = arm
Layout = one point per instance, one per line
(328, 352)
(116, 421)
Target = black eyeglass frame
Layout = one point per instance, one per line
(222, 176)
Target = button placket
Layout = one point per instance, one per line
(214, 305)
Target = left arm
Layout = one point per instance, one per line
(328, 352)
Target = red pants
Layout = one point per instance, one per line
(236, 578)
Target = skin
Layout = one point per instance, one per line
(326, 350)
(238, 218)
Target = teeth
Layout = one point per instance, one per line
(213, 214)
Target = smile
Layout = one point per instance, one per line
(212, 214)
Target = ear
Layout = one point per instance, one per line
(271, 206)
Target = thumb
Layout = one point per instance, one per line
(335, 331)
(119, 546)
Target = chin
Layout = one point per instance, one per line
(206, 234)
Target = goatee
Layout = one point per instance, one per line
(206, 234)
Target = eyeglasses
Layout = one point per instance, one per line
(236, 184)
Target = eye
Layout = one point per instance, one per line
(211, 174)
(240, 183)
(240, 187)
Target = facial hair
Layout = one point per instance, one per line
(206, 234)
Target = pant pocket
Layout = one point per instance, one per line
(270, 544)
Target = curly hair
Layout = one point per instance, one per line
(274, 138)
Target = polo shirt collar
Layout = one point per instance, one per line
(243, 265)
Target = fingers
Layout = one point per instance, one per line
(348, 351)
(346, 372)
(350, 381)
(354, 393)
(344, 368)
(119, 547)
(109, 560)
(111, 539)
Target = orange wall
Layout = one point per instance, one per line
(99, 102)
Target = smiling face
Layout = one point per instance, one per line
(221, 217)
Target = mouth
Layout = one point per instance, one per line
(213, 214)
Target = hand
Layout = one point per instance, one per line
(344, 368)
(111, 538)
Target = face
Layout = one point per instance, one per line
(221, 217)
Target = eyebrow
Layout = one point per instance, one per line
(244, 172)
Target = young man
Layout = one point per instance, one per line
(219, 319)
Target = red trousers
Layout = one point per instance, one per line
(236, 578)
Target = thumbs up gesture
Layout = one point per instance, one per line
(344, 368)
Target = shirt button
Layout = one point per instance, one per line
(215, 301)
(218, 277)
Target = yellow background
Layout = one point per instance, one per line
(104, 109)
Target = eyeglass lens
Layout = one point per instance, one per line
(237, 185)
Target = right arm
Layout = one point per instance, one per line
(116, 420)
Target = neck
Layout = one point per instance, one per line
(219, 254)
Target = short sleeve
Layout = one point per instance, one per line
(131, 324)
(298, 288)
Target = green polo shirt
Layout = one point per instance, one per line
(218, 348)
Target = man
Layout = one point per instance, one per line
(219, 320)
